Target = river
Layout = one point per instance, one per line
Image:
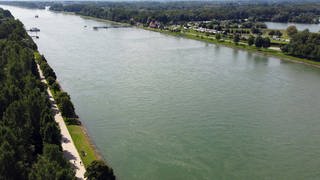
(162, 107)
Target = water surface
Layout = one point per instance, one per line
(162, 107)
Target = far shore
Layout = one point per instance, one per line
(261, 51)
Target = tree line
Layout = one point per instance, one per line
(185, 11)
(179, 12)
(303, 44)
(30, 139)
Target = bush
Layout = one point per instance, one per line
(258, 42)
(65, 105)
(72, 121)
(99, 170)
(251, 40)
(50, 80)
(47, 70)
(55, 87)
(266, 42)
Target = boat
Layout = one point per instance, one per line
(34, 29)
(100, 27)
(36, 16)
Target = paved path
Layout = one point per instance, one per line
(69, 149)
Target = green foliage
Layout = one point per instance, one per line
(275, 33)
(55, 87)
(255, 30)
(65, 105)
(51, 133)
(11, 167)
(98, 170)
(251, 40)
(50, 170)
(26, 121)
(180, 12)
(72, 121)
(305, 45)
(47, 70)
(236, 38)
(258, 42)
(292, 30)
(50, 80)
(266, 42)
(218, 36)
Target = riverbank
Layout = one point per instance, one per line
(211, 39)
(242, 46)
(181, 94)
(208, 39)
(68, 146)
(85, 147)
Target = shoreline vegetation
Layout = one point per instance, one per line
(233, 37)
(89, 153)
(242, 46)
(87, 150)
(31, 140)
(210, 39)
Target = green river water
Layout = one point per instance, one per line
(164, 108)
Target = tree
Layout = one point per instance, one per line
(259, 42)
(51, 133)
(9, 168)
(98, 170)
(50, 80)
(218, 36)
(236, 38)
(251, 40)
(304, 45)
(266, 42)
(278, 33)
(255, 30)
(55, 86)
(271, 33)
(51, 165)
(65, 105)
(26, 122)
(291, 30)
(50, 170)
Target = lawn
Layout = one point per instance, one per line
(82, 143)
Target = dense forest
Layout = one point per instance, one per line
(304, 44)
(175, 12)
(180, 12)
(30, 139)
(30, 4)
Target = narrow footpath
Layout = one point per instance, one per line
(69, 149)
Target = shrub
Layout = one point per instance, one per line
(50, 80)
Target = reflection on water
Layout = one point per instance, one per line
(162, 107)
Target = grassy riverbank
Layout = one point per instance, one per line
(211, 39)
(243, 46)
(78, 132)
(83, 143)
